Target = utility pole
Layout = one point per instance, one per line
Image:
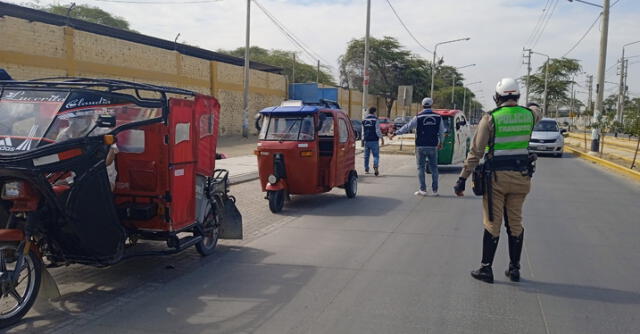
(624, 69)
(527, 61)
(293, 77)
(318, 73)
(573, 97)
(453, 91)
(621, 89)
(602, 64)
(245, 91)
(365, 68)
(590, 98)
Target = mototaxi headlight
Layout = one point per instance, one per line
(12, 190)
(272, 179)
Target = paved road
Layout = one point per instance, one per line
(386, 262)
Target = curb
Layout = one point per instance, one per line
(624, 170)
(243, 178)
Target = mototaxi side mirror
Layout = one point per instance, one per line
(258, 122)
(106, 121)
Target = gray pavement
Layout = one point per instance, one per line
(385, 262)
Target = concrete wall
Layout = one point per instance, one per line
(32, 49)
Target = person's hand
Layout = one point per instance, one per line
(460, 185)
(439, 146)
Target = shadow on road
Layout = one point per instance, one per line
(584, 292)
(363, 206)
(243, 295)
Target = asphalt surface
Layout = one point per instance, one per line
(385, 262)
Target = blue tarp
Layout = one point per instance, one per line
(310, 93)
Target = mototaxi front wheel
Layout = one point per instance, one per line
(276, 200)
(18, 296)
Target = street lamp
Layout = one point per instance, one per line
(245, 90)
(623, 73)
(602, 63)
(365, 68)
(546, 81)
(433, 64)
(464, 96)
(453, 84)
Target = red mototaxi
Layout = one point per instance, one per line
(305, 149)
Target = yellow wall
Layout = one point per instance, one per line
(30, 50)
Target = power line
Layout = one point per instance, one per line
(583, 36)
(406, 28)
(587, 33)
(546, 23)
(543, 14)
(294, 39)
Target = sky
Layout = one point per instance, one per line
(499, 29)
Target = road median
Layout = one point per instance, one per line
(602, 162)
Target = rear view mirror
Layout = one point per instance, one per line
(106, 121)
(258, 123)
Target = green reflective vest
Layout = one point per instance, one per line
(512, 131)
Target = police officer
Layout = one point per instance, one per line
(371, 134)
(429, 138)
(502, 138)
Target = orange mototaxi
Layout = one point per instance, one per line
(65, 201)
(305, 149)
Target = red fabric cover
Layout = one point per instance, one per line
(11, 235)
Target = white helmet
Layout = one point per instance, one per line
(427, 102)
(507, 87)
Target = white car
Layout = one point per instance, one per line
(547, 138)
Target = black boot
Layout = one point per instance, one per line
(489, 246)
(515, 249)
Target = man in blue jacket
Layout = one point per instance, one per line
(371, 134)
(429, 139)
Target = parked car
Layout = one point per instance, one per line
(547, 138)
(385, 125)
(400, 121)
(357, 128)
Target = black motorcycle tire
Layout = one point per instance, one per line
(207, 245)
(276, 200)
(351, 187)
(35, 267)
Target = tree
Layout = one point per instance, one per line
(560, 78)
(390, 67)
(85, 13)
(284, 59)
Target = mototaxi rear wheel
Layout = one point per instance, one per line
(17, 297)
(276, 200)
(210, 232)
(351, 187)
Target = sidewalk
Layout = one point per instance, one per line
(236, 145)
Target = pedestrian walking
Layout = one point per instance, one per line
(504, 178)
(429, 138)
(372, 136)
